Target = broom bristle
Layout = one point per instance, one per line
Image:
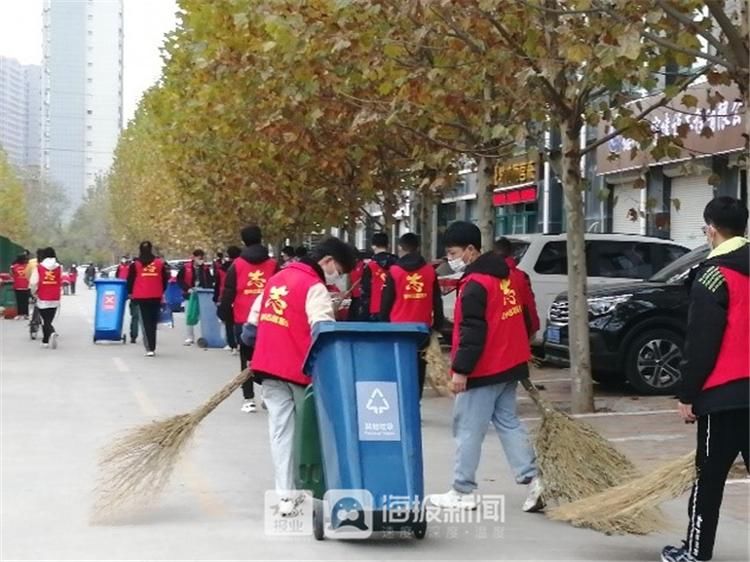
(137, 466)
(438, 368)
(631, 499)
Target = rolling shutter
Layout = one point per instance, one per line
(693, 193)
(625, 198)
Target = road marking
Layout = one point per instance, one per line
(648, 437)
(606, 414)
(120, 365)
(547, 381)
(209, 502)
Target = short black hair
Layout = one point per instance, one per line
(344, 254)
(503, 247)
(219, 254)
(251, 234)
(288, 250)
(198, 253)
(48, 252)
(380, 240)
(233, 252)
(727, 215)
(300, 251)
(462, 234)
(409, 242)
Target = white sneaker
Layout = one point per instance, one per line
(235, 351)
(534, 500)
(227, 348)
(150, 354)
(248, 407)
(286, 506)
(45, 346)
(53, 341)
(188, 342)
(454, 499)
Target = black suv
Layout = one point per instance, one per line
(637, 329)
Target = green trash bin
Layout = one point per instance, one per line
(309, 461)
(7, 297)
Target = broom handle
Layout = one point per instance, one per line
(219, 397)
(535, 396)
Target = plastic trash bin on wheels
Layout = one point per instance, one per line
(111, 296)
(365, 380)
(173, 296)
(7, 296)
(211, 328)
(308, 457)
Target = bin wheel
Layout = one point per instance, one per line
(318, 531)
(124, 339)
(202, 343)
(419, 530)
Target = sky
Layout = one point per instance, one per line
(146, 22)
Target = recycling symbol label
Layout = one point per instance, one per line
(378, 413)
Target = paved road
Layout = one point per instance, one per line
(59, 407)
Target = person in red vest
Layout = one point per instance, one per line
(503, 248)
(489, 355)
(412, 294)
(21, 286)
(293, 301)
(374, 275)
(147, 281)
(194, 274)
(715, 387)
(355, 280)
(245, 280)
(220, 275)
(46, 286)
(73, 276)
(123, 270)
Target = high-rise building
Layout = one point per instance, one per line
(20, 111)
(82, 91)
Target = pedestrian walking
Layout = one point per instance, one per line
(122, 272)
(89, 275)
(233, 252)
(46, 286)
(147, 281)
(193, 275)
(521, 282)
(374, 275)
(292, 302)
(412, 294)
(490, 353)
(287, 255)
(716, 371)
(21, 286)
(245, 281)
(73, 276)
(217, 263)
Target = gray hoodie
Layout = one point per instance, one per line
(48, 264)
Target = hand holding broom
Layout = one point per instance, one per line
(137, 466)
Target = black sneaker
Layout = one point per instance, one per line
(133, 340)
(677, 554)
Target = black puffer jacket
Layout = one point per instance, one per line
(384, 260)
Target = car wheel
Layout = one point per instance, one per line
(653, 362)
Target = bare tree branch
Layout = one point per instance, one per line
(692, 26)
(736, 43)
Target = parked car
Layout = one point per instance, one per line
(610, 259)
(107, 272)
(637, 329)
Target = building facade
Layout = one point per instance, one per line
(82, 91)
(20, 109)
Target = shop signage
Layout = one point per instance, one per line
(515, 174)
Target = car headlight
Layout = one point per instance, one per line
(600, 306)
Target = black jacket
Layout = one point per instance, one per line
(202, 278)
(224, 266)
(473, 327)
(145, 261)
(411, 262)
(257, 253)
(384, 260)
(707, 320)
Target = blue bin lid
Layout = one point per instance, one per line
(325, 330)
(204, 290)
(112, 281)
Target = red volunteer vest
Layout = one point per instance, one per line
(414, 293)
(733, 362)
(123, 270)
(251, 281)
(50, 283)
(376, 286)
(20, 281)
(284, 335)
(507, 344)
(356, 277)
(148, 280)
(190, 273)
(221, 278)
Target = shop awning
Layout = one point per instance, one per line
(525, 194)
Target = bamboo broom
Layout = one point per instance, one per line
(137, 466)
(438, 369)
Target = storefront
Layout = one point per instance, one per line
(515, 198)
(666, 197)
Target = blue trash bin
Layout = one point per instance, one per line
(365, 378)
(173, 296)
(111, 296)
(212, 334)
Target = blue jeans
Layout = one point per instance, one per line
(473, 411)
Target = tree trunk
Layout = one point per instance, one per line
(582, 399)
(485, 210)
(426, 204)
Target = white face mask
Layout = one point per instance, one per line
(458, 265)
(332, 278)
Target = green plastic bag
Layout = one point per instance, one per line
(192, 311)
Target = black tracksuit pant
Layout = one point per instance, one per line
(22, 301)
(246, 353)
(721, 437)
(149, 311)
(48, 315)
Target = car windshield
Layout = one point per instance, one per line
(519, 248)
(677, 271)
